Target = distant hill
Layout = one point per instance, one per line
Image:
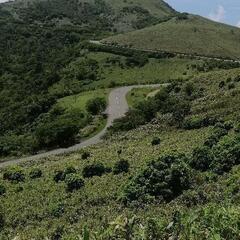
(186, 34)
(115, 15)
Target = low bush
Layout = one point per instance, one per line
(35, 173)
(15, 174)
(60, 175)
(85, 155)
(122, 166)
(73, 182)
(96, 169)
(202, 158)
(163, 179)
(156, 141)
(2, 190)
(96, 105)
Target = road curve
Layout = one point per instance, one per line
(117, 108)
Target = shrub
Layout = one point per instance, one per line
(202, 158)
(164, 179)
(221, 84)
(196, 122)
(156, 141)
(61, 175)
(218, 132)
(96, 105)
(57, 133)
(121, 166)
(73, 182)
(35, 173)
(2, 219)
(14, 174)
(85, 155)
(97, 169)
(226, 155)
(2, 190)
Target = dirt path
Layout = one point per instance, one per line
(117, 108)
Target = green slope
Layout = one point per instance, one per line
(116, 15)
(194, 35)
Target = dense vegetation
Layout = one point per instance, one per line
(42, 45)
(169, 169)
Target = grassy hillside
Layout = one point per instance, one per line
(37, 202)
(42, 46)
(112, 15)
(185, 34)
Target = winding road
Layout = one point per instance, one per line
(117, 108)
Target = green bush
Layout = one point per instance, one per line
(202, 158)
(2, 219)
(73, 182)
(57, 133)
(14, 174)
(121, 166)
(156, 141)
(60, 175)
(2, 190)
(164, 179)
(96, 105)
(35, 173)
(85, 155)
(96, 169)
(226, 155)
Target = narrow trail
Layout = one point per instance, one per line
(117, 108)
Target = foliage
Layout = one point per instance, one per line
(156, 141)
(164, 179)
(73, 182)
(61, 175)
(35, 173)
(97, 169)
(121, 166)
(2, 190)
(14, 174)
(96, 105)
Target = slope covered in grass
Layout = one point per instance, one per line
(36, 202)
(189, 34)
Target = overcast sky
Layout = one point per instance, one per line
(226, 11)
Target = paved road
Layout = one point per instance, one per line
(117, 108)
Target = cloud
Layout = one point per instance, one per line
(218, 15)
(238, 24)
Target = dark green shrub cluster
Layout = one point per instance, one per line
(121, 166)
(60, 175)
(137, 60)
(73, 182)
(163, 179)
(156, 141)
(217, 154)
(35, 173)
(196, 122)
(202, 158)
(164, 102)
(85, 155)
(2, 190)
(96, 169)
(2, 219)
(96, 105)
(15, 174)
(219, 131)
